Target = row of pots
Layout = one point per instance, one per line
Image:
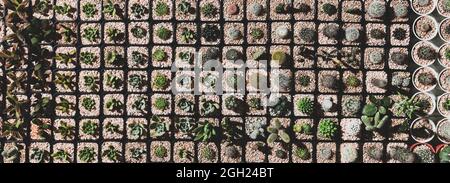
(434, 29)
(430, 7)
(442, 151)
(428, 81)
(424, 130)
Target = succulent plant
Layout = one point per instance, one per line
(138, 32)
(255, 128)
(352, 34)
(204, 131)
(187, 35)
(423, 3)
(376, 57)
(327, 128)
(257, 33)
(66, 130)
(136, 80)
(209, 10)
(374, 152)
(352, 81)
(280, 106)
(304, 128)
(88, 58)
(304, 8)
(90, 128)
(184, 124)
(87, 154)
(282, 8)
(400, 10)
(305, 105)
(377, 34)
(427, 53)
(138, 57)
(330, 81)
(276, 131)
(409, 106)
(234, 33)
(329, 9)
(91, 82)
(208, 153)
(231, 152)
(112, 154)
(64, 9)
(137, 130)
(375, 113)
(209, 107)
(399, 58)
(351, 105)
(331, 31)
(138, 10)
(88, 103)
(235, 104)
(307, 34)
(282, 32)
(399, 33)
(256, 103)
(349, 154)
(211, 32)
(304, 80)
(113, 81)
(91, 34)
(281, 154)
(444, 155)
(427, 78)
(376, 9)
(61, 155)
(302, 152)
(159, 55)
(140, 103)
(185, 154)
(161, 103)
(89, 10)
(186, 105)
(162, 8)
(43, 7)
(353, 11)
(113, 104)
(163, 33)
(160, 151)
(256, 9)
(402, 155)
(158, 127)
(110, 8)
(233, 54)
(184, 7)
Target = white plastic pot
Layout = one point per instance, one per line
(442, 121)
(414, 76)
(433, 126)
(436, 24)
(439, 80)
(440, 11)
(433, 101)
(426, 13)
(443, 56)
(438, 107)
(440, 34)
(414, 47)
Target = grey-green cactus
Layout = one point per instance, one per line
(375, 113)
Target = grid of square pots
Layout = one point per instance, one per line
(127, 117)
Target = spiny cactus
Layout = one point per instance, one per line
(305, 105)
(376, 9)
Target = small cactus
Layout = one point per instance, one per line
(331, 31)
(376, 9)
(307, 34)
(376, 57)
(352, 34)
(426, 78)
(427, 53)
(400, 10)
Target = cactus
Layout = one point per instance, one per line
(400, 10)
(351, 105)
(302, 153)
(211, 32)
(257, 9)
(233, 54)
(305, 105)
(352, 34)
(231, 152)
(307, 34)
(277, 131)
(304, 8)
(376, 57)
(331, 31)
(330, 81)
(399, 34)
(329, 9)
(374, 152)
(426, 78)
(279, 57)
(402, 155)
(327, 128)
(427, 53)
(209, 10)
(377, 34)
(376, 9)
(375, 113)
(304, 80)
(352, 81)
(398, 58)
(234, 33)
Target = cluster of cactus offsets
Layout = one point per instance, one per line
(92, 81)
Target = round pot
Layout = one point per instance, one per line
(427, 144)
(433, 35)
(439, 106)
(434, 3)
(441, 57)
(439, 149)
(440, 10)
(432, 101)
(441, 85)
(414, 79)
(427, 134)
(439, 127)
(419, 44)
(440, 30)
